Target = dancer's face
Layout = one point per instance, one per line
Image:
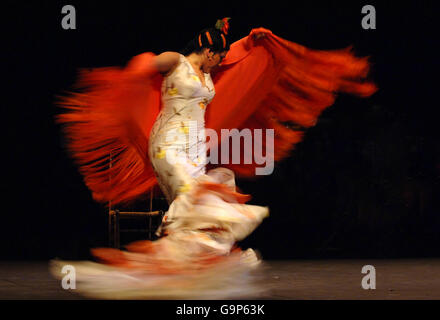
(213, 59)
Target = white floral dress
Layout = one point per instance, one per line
(185, 100)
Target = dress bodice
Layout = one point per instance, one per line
(184, 95)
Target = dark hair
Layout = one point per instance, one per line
(203, 40)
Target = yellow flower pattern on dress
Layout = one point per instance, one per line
(195, 78)
(183, 128)
(160, 154)
(173, 91)
(184, 188)
(202, 105)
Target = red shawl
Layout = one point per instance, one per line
(260, 84)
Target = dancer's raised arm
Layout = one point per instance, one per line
(147, 63)
(166, 61)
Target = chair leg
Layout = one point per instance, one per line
(151, 209)
(149, 227)
(110, 229)
(116, 230)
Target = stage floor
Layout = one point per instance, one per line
(287, 280)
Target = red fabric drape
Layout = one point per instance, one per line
(267, 80)
(261, 83)
(112, 116)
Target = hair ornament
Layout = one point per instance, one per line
(223, 25)
(224, 40)
(208, 36)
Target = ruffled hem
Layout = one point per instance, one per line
(196, 257)
(236, 276)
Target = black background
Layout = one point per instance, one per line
(361, 184)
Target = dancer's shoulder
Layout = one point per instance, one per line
(167, 61)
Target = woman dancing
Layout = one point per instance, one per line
(150, 116)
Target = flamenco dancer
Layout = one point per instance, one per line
(143, 115)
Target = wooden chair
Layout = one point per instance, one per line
(115, 216)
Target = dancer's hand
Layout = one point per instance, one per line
(259, 35)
